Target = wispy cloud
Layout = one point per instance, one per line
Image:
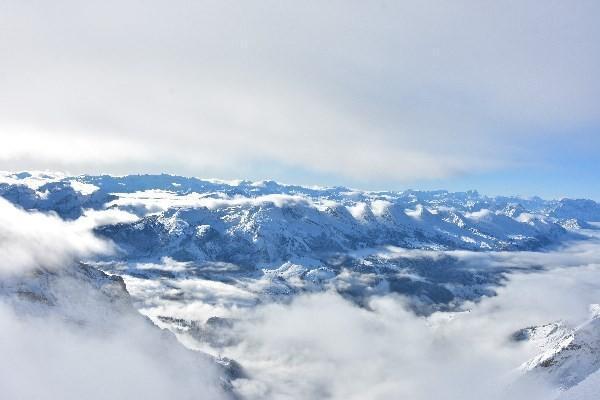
(30, 240)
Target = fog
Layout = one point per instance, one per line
(30, 240)
(61, 337)
(322, 345)
(48, 358)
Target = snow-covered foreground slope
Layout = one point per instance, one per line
(569, 355)
(316, 292)
(586, 390)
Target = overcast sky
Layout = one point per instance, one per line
(501, 96)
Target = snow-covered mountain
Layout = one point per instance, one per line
(186, 243)
(267, 222)
(296, 238)
(567, 355)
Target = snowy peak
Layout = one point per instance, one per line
(269, 222)
(581, 209)
(568, 355)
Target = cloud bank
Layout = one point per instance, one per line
(48, 358)
(355, 91)
(321, 345)
(29, 240)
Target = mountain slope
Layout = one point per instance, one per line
(85, 303)
(568, 356)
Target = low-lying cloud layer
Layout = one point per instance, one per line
(152, 201)
(30, 240)
(324, 346)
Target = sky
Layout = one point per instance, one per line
(499, 96)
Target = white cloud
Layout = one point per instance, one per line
(83, 188)
(46, 358)
(94, 218)
(323, 346)
(367, 91)
(29, 240)
(34, 179)
(151, 201)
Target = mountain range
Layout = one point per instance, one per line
(268, 242)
